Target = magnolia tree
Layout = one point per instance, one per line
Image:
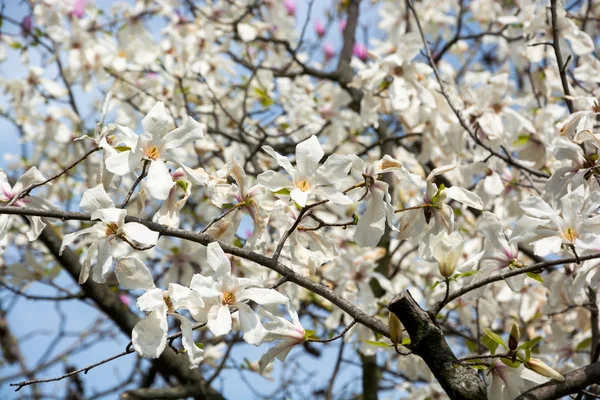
(411, 186)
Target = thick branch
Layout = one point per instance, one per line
(574, 382)
(427, 341)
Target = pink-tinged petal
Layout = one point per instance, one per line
(149, 336)
(220, 323)
(133, 274)
(140, 233)
(308, 155)
(195, 354)
(160, 181)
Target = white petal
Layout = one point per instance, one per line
(247, 32)
(133, 274)
(308, 155)
(537, 207)
(104, 262)
(221, 323)
(300, 197)
(464, 196)
(186, 133)
(440, 170)
(140, 233)
(273, 181)
(546, 246)
(160, 181)
(282, 161)
(156, 122)
(217, 260)
(31, 177)
(96, 198)
(152, 300)
(195, 354)
(262, 296)
(149, 336)
(254, 332)
(371, 224)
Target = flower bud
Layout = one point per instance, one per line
(319, 29)
(515, 335)
(539, 367)
(395, 328)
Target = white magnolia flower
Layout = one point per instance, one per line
(149, 336)
(288, 334)
(308, 179)
(223, 292)
(379, 209)
(446, 250)
(156, 145)
(104, 233)
(8, 192)
(508, 383)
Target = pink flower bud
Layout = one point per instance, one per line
(290, 6)
(328, 50)
(360, 51)
(124, 299)
(26, 25)
(319, 29)
(78, 9)
(342, 24)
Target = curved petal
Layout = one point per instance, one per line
(156, 122)
(464, 196)
(308, 155)
(194, 353)
(220, 324)
(273, 181)
(133, 274)
(262, 296)
(254, 332)
(140, 233)
(96, 198)
(217, 260)
(282, 161)
(104, 262)
(160, 181)
(188, 132)
(149, 336)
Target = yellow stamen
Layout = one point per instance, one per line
(152, 153)
(303, 185)
(111, 229)
(228, 298)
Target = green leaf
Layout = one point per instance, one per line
(584, 344)
(283, 191)
(510, 363)
(406, 341)
(494, 337)
(479, 366)
(15, 45)
(437, 195)
(530, 344)
(308, 333)
(200, 345)
(121, 149)
(489, 343)
(535, 277)
(468, 273)
(522, 140)
(378, 344)
(435, 284)
(472, 346)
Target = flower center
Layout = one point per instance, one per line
(152, 153)
(570, 235)
(303, 185)
(228, 298)
(111, 229)
(168, 302)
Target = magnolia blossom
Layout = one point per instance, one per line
(379, 209)
(287, 334)
(223, 292)
(446, 250)
(508, 383)
(308, 179)
(149, 336)
(8, 193)
(252, 200)
(416, 221)
(104, 234)
(156, 145)
(574, 224)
